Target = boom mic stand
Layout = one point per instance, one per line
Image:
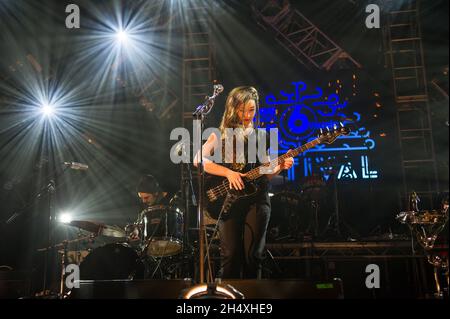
(47, 192)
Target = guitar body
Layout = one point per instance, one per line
(225, 201)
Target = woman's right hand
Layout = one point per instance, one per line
(235, 179)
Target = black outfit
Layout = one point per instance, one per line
(242, 232)
(243, 236)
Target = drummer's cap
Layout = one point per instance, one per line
(148, 184)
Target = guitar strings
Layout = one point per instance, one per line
(222, 189)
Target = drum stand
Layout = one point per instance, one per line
(63, 269)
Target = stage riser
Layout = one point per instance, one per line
(171, 289)
(399, 277)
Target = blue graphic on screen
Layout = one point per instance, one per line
(299, 116)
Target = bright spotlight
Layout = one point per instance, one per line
(65, 218)
(121, 36)
(47, 109)
(211, 291)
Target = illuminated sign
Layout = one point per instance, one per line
(300, 116)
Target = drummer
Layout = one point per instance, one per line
(150, 194)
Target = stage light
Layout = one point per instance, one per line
(65, 217)
(122, 36)
(48, 109)
(211, 291)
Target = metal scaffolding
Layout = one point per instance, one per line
(198, 57)
(198, 61)
(343, 250)
(406, 58)
(154, 96)
(299, 36)
(198, 74)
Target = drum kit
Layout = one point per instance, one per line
(160, 249)
(109, 252)
(425, 226)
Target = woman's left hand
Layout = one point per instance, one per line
(287, 163)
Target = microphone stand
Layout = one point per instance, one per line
(50, 254)
(188, 189)
(200, 115)
(36, 196)
(48, 190)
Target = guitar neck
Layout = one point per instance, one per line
(256, 172)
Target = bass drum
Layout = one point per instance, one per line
(112, 261)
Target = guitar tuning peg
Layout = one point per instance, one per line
(341, 125)
(328, 129)
(335, 126)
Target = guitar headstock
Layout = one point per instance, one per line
(328, 135)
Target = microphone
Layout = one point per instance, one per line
(180, 149)
(218, 88)
(76, 166)
(206, 106)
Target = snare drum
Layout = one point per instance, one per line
(163, 230)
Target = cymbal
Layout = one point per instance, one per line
(67, 243)
(89, 226)
(99, 228)
(112, 231)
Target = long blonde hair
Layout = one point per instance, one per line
(237, 96)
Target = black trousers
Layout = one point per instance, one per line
(243, 236)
